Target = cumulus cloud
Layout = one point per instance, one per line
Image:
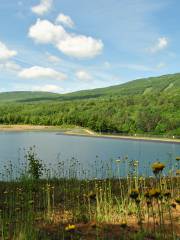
(41, 72)
(65, 20)
(6, 53)
(78, 46)
(43, 7)
(161, 44)
(43, 31)
(83, 75)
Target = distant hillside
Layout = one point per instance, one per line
(167, 84)
(145, 106)
(26, 96)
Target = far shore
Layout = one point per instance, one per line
(78, 131)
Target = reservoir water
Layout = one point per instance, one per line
(89, 155)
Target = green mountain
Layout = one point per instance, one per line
(167, 84)
(150, 106)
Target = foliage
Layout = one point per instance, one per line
(35, 166)
(142, 106)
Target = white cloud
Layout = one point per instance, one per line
(6, 53)
(47, 88)
(161, 44)
(83, 75)
(78, 46)
(53, 59)
(41, 72)
(43, 31)
(43, 7)
(10, 66)
(65, 20)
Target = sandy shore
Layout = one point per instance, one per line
(77, 131)
(24, 127)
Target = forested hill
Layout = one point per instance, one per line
(149, 105)
(155, 85)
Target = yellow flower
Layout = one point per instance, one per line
(154, 193)
(134, 194)
(118, 160)
(124, 224)
(157, 167)
(136, 163)
(70, 228)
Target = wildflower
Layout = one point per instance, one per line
(154, 193)
(118, 161)
(157, 167)
(178, 158)
(136, 163)
(134, 194)
(70, 228)
(124, 224)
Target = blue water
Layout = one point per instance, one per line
(87, 152)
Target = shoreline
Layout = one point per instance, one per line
(77, 131)
(119, 137)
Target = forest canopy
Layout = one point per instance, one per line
(142, 106)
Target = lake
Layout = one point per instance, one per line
(89, 155)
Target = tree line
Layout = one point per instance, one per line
(152, 113)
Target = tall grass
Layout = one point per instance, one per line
(42, 203)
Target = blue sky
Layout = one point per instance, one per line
(66, 45)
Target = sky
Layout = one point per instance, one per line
(69, 45)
